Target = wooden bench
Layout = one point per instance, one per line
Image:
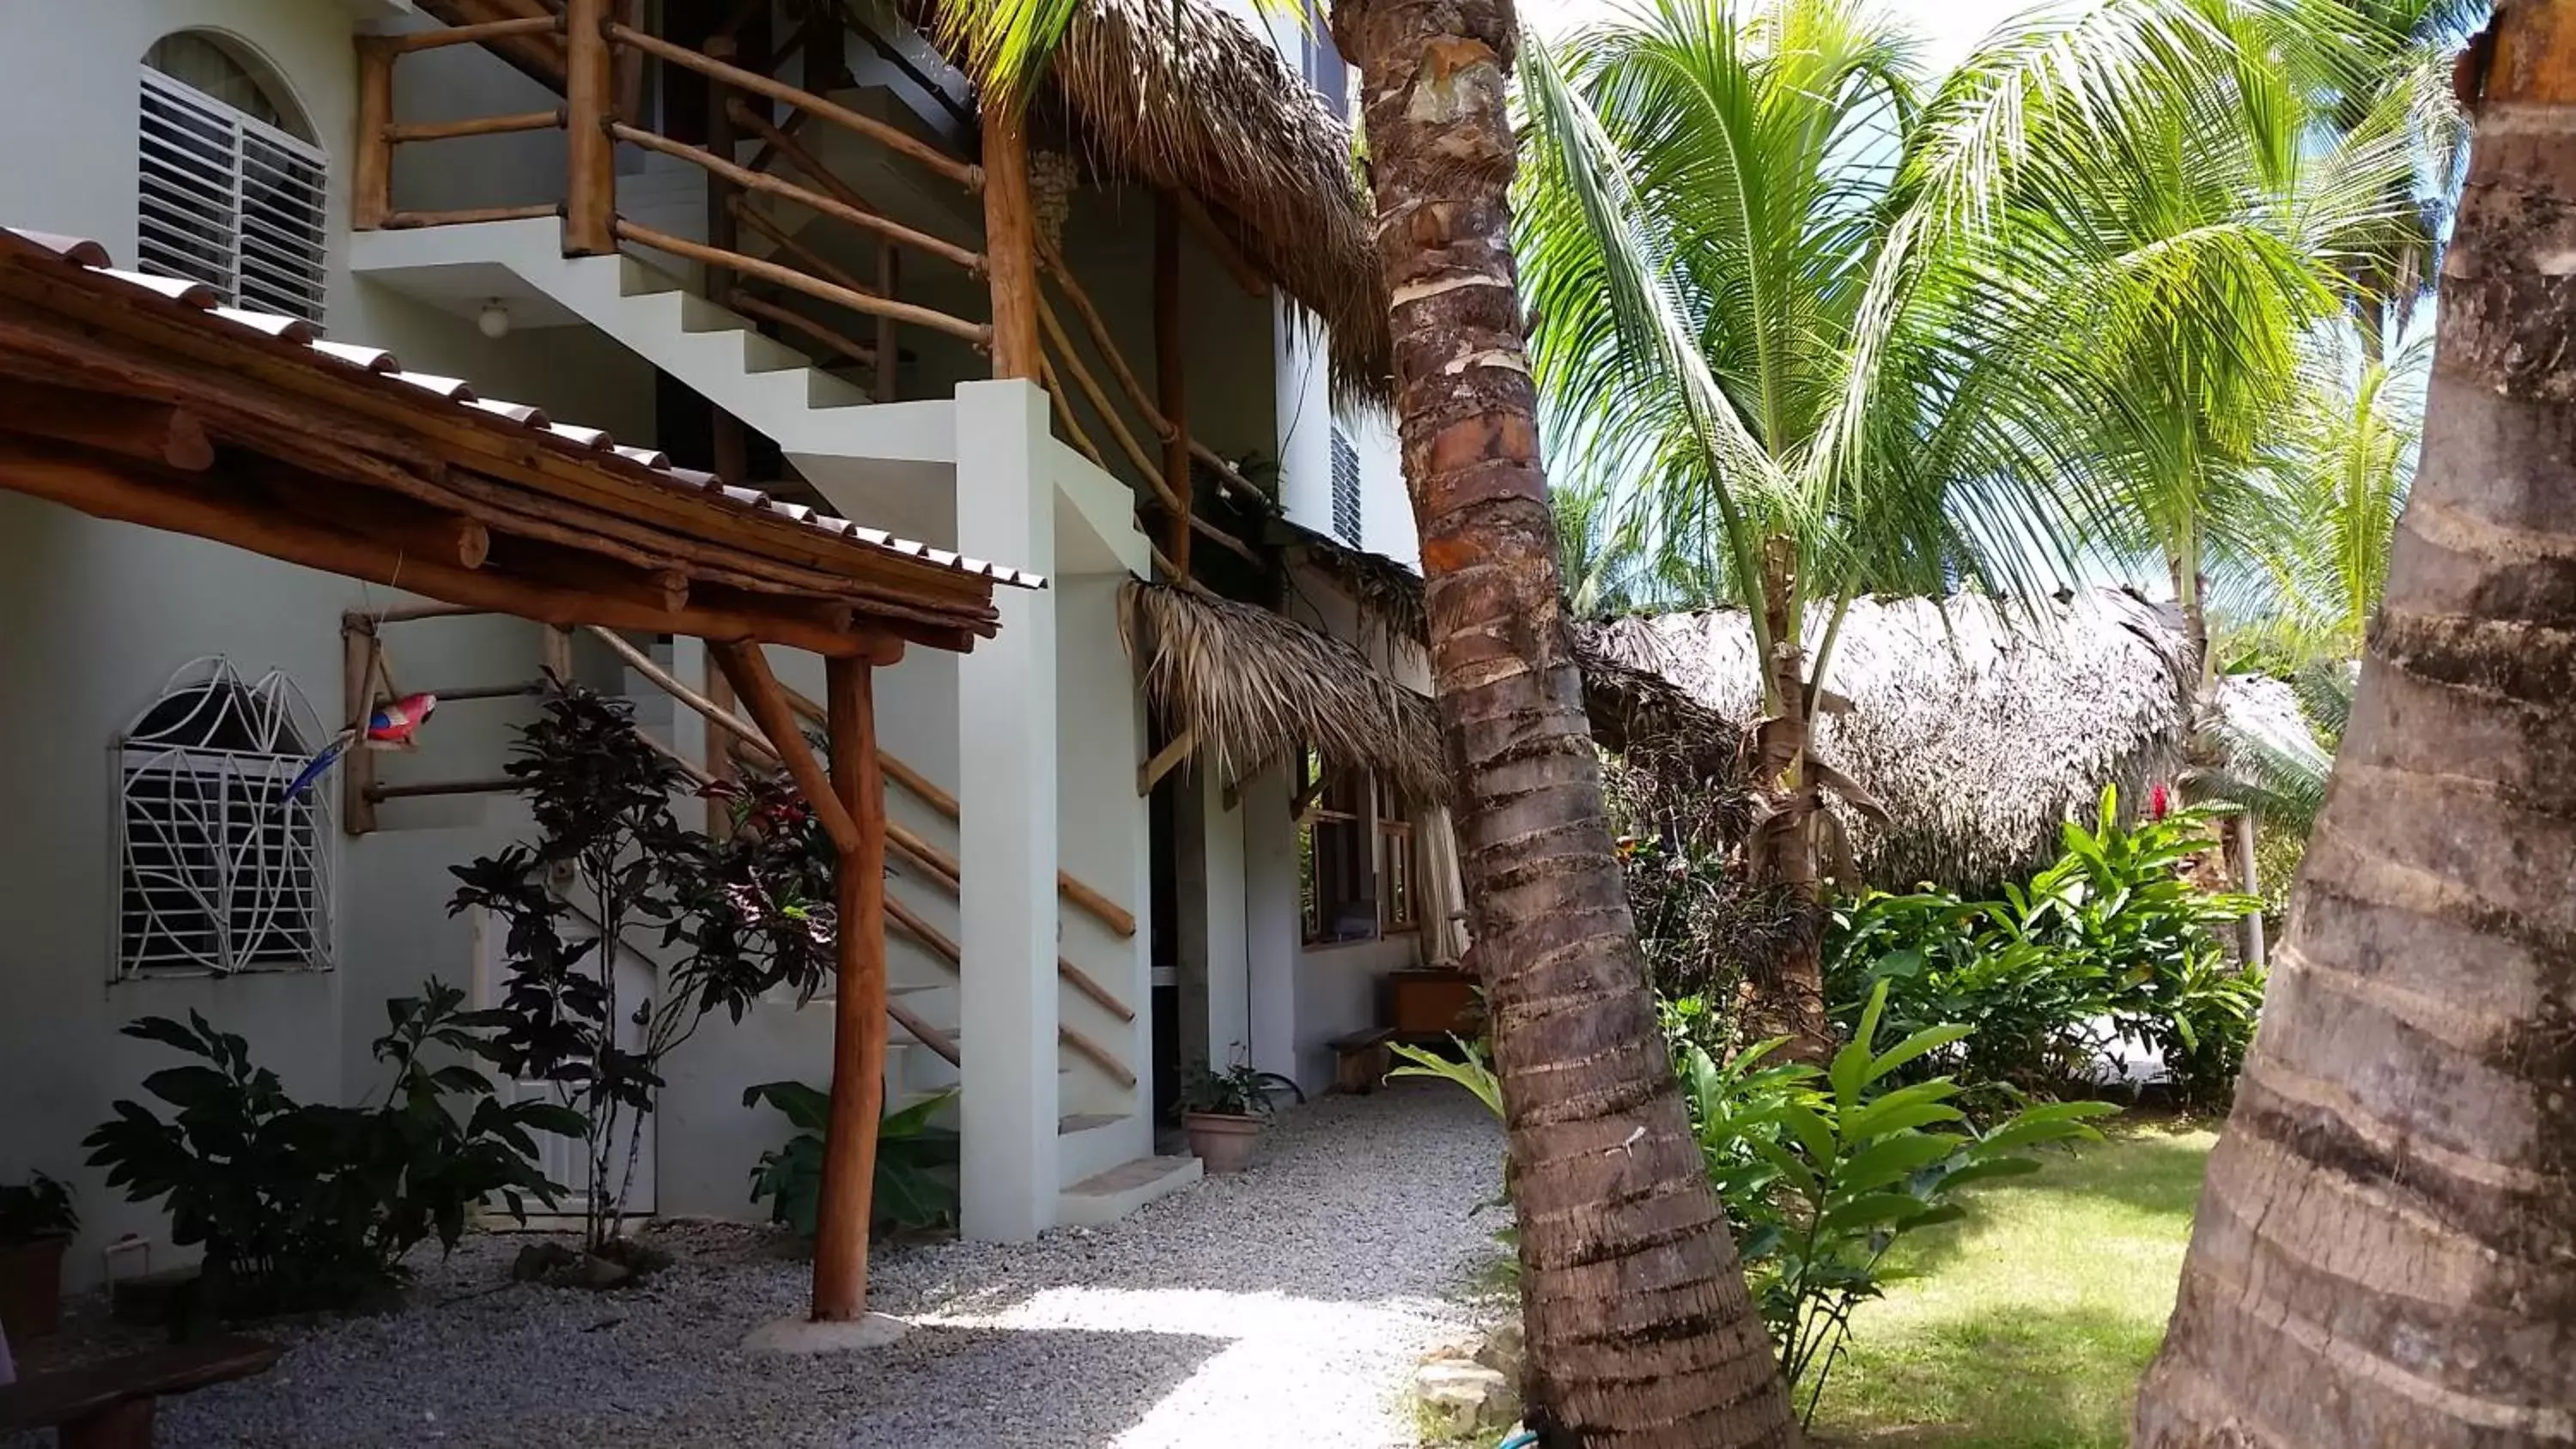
(108, 1404)
(1361, 1060)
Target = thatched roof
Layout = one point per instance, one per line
(1178, 93)
(1257, 686)
(1978, 730)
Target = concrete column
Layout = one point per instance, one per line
(1215, 986)
(1006, 740)
(1270, 922)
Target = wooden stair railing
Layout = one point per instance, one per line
(941, 866)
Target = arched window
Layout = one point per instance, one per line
(216, 870)
(232, 187)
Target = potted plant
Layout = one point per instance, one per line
(36, 1225)
(1222, 1112)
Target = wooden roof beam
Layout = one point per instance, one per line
(155, 432)
(129, 492)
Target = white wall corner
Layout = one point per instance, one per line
(1006, 705)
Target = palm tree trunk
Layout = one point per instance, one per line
(1640, 1331)
(2385, 1253)
(1784, 996)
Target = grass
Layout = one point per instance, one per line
(2026, 1325)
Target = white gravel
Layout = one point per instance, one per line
(1283, 1307)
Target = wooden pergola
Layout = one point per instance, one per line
(140, 399)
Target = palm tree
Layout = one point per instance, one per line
(1840, 331)
(2383, 1253)
(1640, 1330)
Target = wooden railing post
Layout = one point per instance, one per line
(1168, 374)
(590, 153)
(721, 232)
(1010, 243)
(371, 186)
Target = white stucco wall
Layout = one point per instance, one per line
(100, 614)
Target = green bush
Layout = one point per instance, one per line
(1823, 1170)
(304, 1206)
(916, 1177)
(2112, 932)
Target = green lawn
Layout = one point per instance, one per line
(2026, 1325)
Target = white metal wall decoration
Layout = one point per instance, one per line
(216, 871)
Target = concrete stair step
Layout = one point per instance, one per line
(1114, 1193)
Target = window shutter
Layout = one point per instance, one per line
(1346, 490)
(229, 201)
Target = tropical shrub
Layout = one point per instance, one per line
(737, 919)
(2111, 944)
(915, 1186)
(303, 1205)
(1823, 1170)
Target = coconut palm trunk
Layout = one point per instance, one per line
(2385, 1254)
(1640, 1330)
(1784, 993)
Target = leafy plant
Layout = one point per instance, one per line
(738, 919)
(307, 1205)
(1238, 1091)
(2111, 942)
(40, 1207)
(1471, 1070)
(1822, 1171)
(915, 1186)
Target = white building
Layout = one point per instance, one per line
(222, 140)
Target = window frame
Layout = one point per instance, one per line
(1378, 835)
(218, 190)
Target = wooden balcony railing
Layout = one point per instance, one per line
(774, 273)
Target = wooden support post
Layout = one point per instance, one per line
(748, 668)
(826, 49)
(358, 647)
(590, 155)
(371, 185)
(1171, 393)
(889, 376)
(720, 193)
(1166, 760)
(859, 1005)
(1010, 243)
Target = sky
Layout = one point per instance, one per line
(1949, 27)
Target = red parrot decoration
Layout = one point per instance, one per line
(391, 725)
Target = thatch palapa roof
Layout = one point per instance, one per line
(1257, 686)
(1979, 729)
(1178, 93)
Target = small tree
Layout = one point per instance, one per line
(737, 919)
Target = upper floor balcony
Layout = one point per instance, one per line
(1167, 240)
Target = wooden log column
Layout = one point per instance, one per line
(1010, 244)
(859, 1007)
(849, 803)
(590, 155)
(1169, 386)
(371, 187)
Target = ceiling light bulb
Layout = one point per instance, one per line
(494, 320)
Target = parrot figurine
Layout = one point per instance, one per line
(391, 725)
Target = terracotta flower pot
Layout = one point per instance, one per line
(1222, 1142)
(31, 1287)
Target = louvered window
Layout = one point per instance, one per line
(227, 198)
(217, 871)
(1346, 490)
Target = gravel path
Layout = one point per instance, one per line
(1283, 1307)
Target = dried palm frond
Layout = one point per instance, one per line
(1178, 93)
(1257, 687)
